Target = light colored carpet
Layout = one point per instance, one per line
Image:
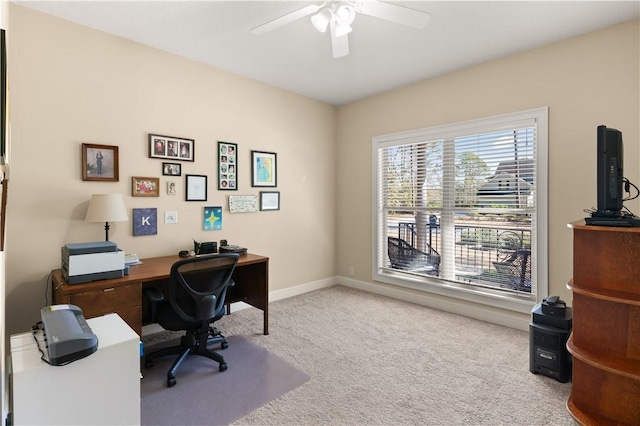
(379, 361)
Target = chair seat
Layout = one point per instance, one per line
(170, 320)
(415, 266)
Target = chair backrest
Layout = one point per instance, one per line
(517, 269)
(401, 253)
(198, 286)
(394, 250)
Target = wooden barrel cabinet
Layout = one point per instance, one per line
(605, 340)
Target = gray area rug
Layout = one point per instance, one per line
(205, 396)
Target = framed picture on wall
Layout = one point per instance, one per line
(171, 169)
(269, 200)
(172, 188)
(212, 218)
(100, 163)
(227, 166)
(171, 148)
(196, 188)
(264, 169)
(145, 222)
(145, 186)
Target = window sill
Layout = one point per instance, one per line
(496, 298)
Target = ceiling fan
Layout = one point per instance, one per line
(338, 15)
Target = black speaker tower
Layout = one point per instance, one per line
(548, 335)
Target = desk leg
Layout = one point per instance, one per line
(265, 319)
(252, 287)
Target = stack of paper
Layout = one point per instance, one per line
(131, 259)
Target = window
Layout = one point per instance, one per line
(460, 210)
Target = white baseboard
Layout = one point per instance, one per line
(505, 318)
(301, 289)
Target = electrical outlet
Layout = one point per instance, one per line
(352, 271)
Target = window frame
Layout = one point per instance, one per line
(499, 299)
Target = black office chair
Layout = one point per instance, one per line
(197, 290)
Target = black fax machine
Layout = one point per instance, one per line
(67, 335)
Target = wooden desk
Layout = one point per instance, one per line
(124, 295)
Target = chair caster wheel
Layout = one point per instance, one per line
(148, 363)
(171, 382)
(223, 366)
(224, 345)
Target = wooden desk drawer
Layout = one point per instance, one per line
(107, 300)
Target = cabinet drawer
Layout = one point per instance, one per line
(107, 300)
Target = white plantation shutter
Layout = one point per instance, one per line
(466, 198)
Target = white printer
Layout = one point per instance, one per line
(84, 262)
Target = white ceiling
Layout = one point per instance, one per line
(384, 55)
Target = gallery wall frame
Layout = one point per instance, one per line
(172, 188)
(145, 186)
(212, 218)
(100, 163)
(269, 200)
(195, 188)
(243, 203)
(264, 169)
(171, 148)
(227, 166)
(171, 169)
(145, 222)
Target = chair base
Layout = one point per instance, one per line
(194, 342)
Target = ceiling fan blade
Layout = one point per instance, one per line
(392, 12)
(339, 44)
(285, 19)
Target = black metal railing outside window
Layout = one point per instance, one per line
(488, 255)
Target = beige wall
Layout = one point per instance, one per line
(70, 84)
(585, 81)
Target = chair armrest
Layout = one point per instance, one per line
(153, 294)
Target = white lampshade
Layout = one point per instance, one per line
(106, 208)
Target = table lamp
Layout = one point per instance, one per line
(106, 208)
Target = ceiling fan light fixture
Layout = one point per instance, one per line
(321, 20)
(345, 14)
(341, 29)
(338, 15)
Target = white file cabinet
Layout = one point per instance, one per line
(101, 389)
